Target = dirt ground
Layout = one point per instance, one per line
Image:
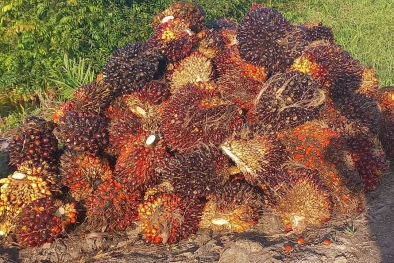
(365, 237)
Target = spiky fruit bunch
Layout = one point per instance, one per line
(137, 165)
(33, 141)
(267, 39)
(302, 200)
(307, 143)
(369, 160)
(195, 117)
(80, 131)
(258, 157)
(131, 66)
(16, 191)
(169, 217)
(288, 100)
(362, 109)
(210, 43)
(239, 89)
(229, 62)
(339, 122)
(187, 11)
(123, 125)
(154, 92)
(234, 206)
(38, 223)
(227, 27)
(195, 174)
(112, 206)
(316, 31)
(332, 67)
(193, 69)
(62, 109)
(174, 39)
(82, 173)
(94, 96)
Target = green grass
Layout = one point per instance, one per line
(364, 28)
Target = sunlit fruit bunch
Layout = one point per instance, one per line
(205, 125)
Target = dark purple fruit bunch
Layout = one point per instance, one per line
(34, 141)
(80, 131)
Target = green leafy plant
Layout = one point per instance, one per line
(72, 74)
(350, 230)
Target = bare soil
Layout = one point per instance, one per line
(364, 237)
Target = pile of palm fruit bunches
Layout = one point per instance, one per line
(201, 127)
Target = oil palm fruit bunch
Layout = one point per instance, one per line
(82, 131)
(174, 38)
(41, 221)
(197, 173)
(287, 100)
(17, 191)
(267, 39)
(140, 160)
(234, 206)
(166, 218)
(112, 206)
(195, 117)
(131, 66)
(33, 141)
(93, 97)
(187, 11)
(301, 200)
(258, 157)
(210, 42)
(82, 173)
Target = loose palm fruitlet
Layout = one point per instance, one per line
(207, 124)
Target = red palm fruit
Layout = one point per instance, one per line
(234, 206)
(307, 143)
(301, 200)
(169, 217)
(174, 38)
(83, 131)
(192, 69)
(38, 223)
(288, 100)
(62, 109)
(258, 157)
(369, 160)
(332, 67)
(112, 206)
(33, 141)
(190, 12)
(196, 117)
(82, 173)
(137, 164)
(197, 173)
(123, 125)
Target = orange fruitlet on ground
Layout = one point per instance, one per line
(288, 248)
(326, 242)
(301, 241)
